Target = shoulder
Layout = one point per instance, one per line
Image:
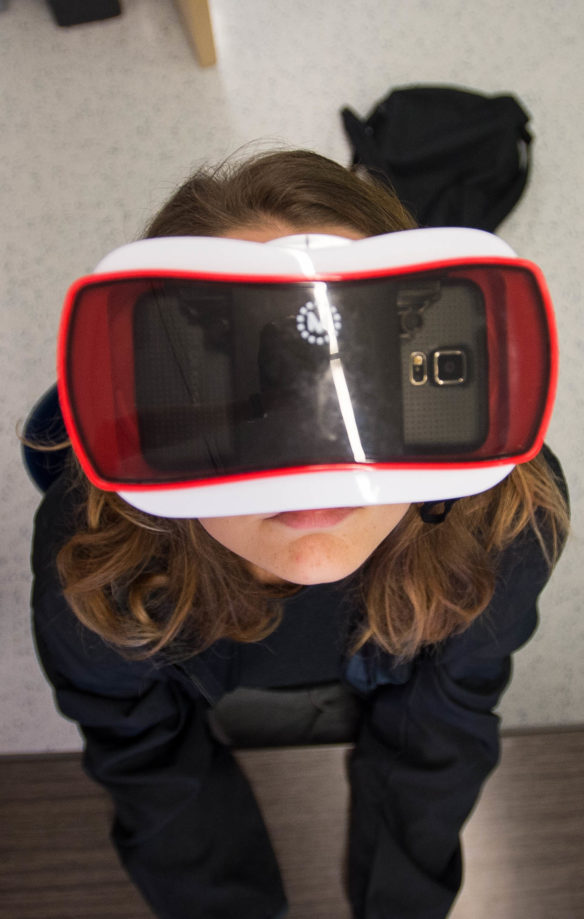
(555, 468)
(522, 570)
(68, 650)
(59, 515)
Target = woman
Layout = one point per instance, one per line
(154, 630)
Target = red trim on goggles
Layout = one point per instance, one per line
(174, 378)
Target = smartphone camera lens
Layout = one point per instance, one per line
(418, 368)
(450, 367)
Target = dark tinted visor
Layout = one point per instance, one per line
(179, 379)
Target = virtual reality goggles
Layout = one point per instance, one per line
(205, 377)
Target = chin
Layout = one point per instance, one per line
(313, 581)
(310, 575)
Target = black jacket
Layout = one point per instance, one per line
(187, 827)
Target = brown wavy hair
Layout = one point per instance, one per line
(152, 585)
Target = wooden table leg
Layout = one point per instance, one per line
(197, 20)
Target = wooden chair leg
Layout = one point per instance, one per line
(197, 20)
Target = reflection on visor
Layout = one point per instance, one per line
(179, 379)
(257, 377)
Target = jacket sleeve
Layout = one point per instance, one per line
(187, 827)
(427, 747)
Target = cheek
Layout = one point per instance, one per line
(370, 529)
(235, 533)
(254, 541)
(229, 531)
(383, 520)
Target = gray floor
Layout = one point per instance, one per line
(524, 844)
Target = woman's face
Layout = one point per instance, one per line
(304, 547)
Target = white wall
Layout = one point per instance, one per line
(98, 123)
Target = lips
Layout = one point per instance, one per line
(315, 519)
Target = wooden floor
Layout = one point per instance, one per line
(524, 844)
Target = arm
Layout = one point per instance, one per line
(187, 827)
(427, 747)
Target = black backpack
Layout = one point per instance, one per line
(454, 157)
